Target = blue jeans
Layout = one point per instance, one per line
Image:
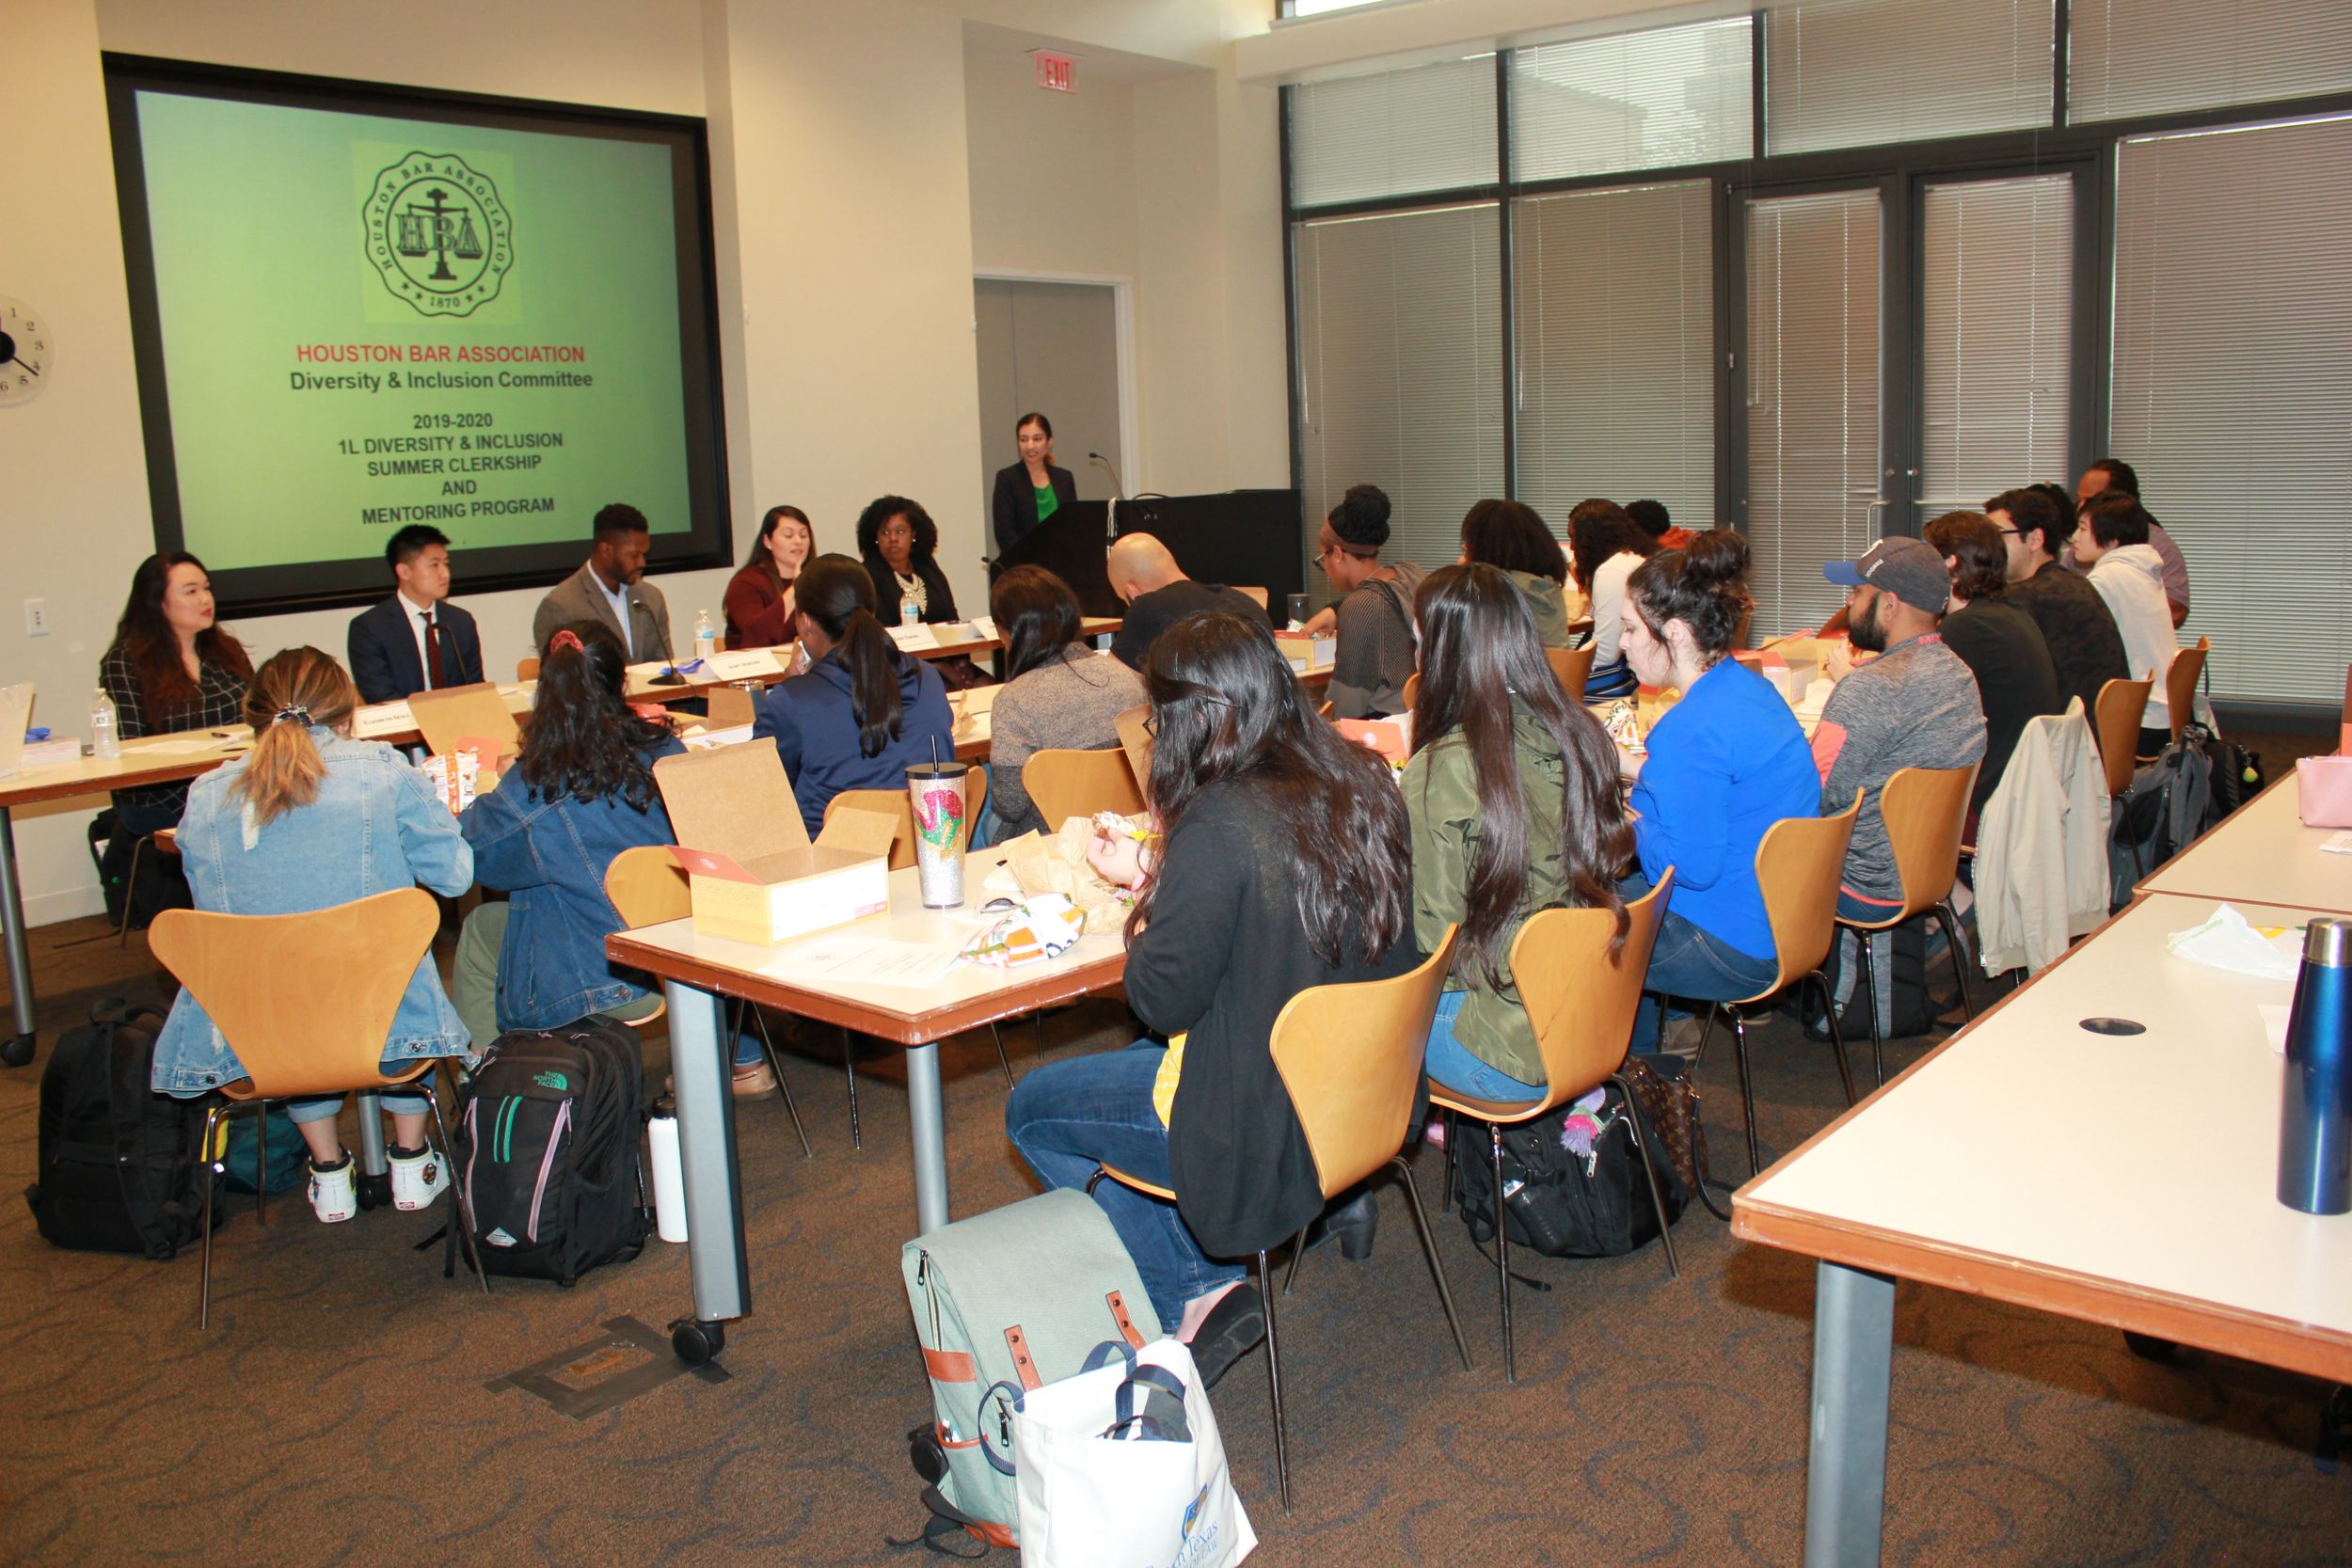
(1069, 1117)
(1692, 962)
(1450, 1064)
(1863, 908)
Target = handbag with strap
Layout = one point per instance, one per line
(1670, 1113)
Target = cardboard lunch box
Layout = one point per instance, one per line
(1307, 653)
(751, 871)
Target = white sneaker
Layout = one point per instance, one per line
(419, 1178)
(334, 1192)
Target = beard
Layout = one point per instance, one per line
(1866, 628)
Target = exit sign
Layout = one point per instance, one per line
(1057, 72)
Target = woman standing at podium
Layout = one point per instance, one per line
(1031, 490)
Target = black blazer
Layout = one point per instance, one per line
(1014, 508)
(385, 663)
(941, 599)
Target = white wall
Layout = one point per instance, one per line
(1053, 174)
(852, 211)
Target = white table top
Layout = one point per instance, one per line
(966, 987)
(2113, 1168)
(2262, 854)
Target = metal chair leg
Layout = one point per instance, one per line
(462, 1206)
(1706, 1029)
(1650, 1173)
(1437, 1266)
(775, 1065)
(1002, 1060)
(848, 1062)
(1298, 1251)
(1452, 1130)
(1837, 1035)
(1502, 1257)
(261, 1162)
(1747, 1090)
(1870, 1003)
(1274, 1387)
(212, 1167)
(123, 933)
(1951, 919)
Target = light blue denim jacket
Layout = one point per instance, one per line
(376, 825)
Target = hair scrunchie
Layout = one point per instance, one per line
(563, 640)
(292, 713)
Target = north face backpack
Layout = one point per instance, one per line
(118, 1167)
(1004, 1302)
(546, 1151)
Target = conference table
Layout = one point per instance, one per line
(697, 973)
(2262, 854)
(2034, 1160)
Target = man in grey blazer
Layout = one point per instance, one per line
(608, 588)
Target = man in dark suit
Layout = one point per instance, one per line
(416, 640)
(609, 588)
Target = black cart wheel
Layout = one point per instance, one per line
(375, 1191)
(18, 1051)
(697, 1343)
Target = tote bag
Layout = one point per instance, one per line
(1120, 1467)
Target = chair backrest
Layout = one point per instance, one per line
(1574, 666)
(646, 886)
(1067, 784)
(1135, 739)
(2179, 683)
(2121, 706)
(1796, 866)
(1350, 1057)
(1412, 691)
(1256, 593)
(728, 706)
(1925, 809)
(460, 713)
(306, 1001)
(1580, 1000)
(527, 669)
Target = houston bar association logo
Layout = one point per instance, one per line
(438, 233)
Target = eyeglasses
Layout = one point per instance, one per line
(2009, 534)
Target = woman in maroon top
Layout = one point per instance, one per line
(759, 597)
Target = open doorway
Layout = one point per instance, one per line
(1059, 346)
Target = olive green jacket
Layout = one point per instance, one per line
(1547, 604)
(1441, 798)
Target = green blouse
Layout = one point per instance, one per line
(1047, 503)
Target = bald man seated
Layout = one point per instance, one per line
(1158, 594)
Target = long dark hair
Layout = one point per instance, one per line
(761, 557)
(1512, 536)
(1226, 708)
(582, 739)
(837, 593)
(1037, 615)
(1479, 651)
(148, 642)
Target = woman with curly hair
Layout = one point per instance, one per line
(899, 544)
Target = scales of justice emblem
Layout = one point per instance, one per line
(438, 233)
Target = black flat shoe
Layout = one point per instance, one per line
(1354, 1224)
(1234, 1327)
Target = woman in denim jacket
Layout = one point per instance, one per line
(581, 792)
(313, 818)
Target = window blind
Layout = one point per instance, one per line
(1812, 397)
(1862, 73)
(1615, 325)
(1996, 281)
(2155, 56)
(2232, 387)
(1397, 132)
(1647, 100)
(1400, 355)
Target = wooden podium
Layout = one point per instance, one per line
(1248, 538)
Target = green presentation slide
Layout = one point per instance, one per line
(368, 321)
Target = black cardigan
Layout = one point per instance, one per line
(1223, 952)
(1014, 507)
(941, 599)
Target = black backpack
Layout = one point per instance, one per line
(118, 1168)
(1558, 1203)
(546, 1151)
(145, 881)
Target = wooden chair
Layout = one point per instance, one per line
(1067, 784)
(1924, 809)
(259, 977)
(648, 886)
(1582, 1003)
(1412, 691)
(1135, 739)
(2121, 706)
(2179, 683)
(1574, 666)
(1350, 1059)
(1797, 867)
(527, 669)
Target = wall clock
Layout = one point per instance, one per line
(25, 352)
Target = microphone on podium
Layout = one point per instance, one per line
(1119, 489)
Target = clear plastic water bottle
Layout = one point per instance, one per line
(910, 613)
(105, 742)
(705, 635)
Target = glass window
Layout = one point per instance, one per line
(2153, 57)
(1397, 132)
(1651, 100)
(1400, 362)
(1615, 325)
(1862, 73)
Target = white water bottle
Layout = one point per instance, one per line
(910, 613)
(106, 744)
(669, 1178)
(705, 635)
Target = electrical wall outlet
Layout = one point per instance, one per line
(37, 617)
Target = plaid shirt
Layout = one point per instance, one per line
(220, 701)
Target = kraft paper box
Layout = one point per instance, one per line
(751, 872)
(1307, 654)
